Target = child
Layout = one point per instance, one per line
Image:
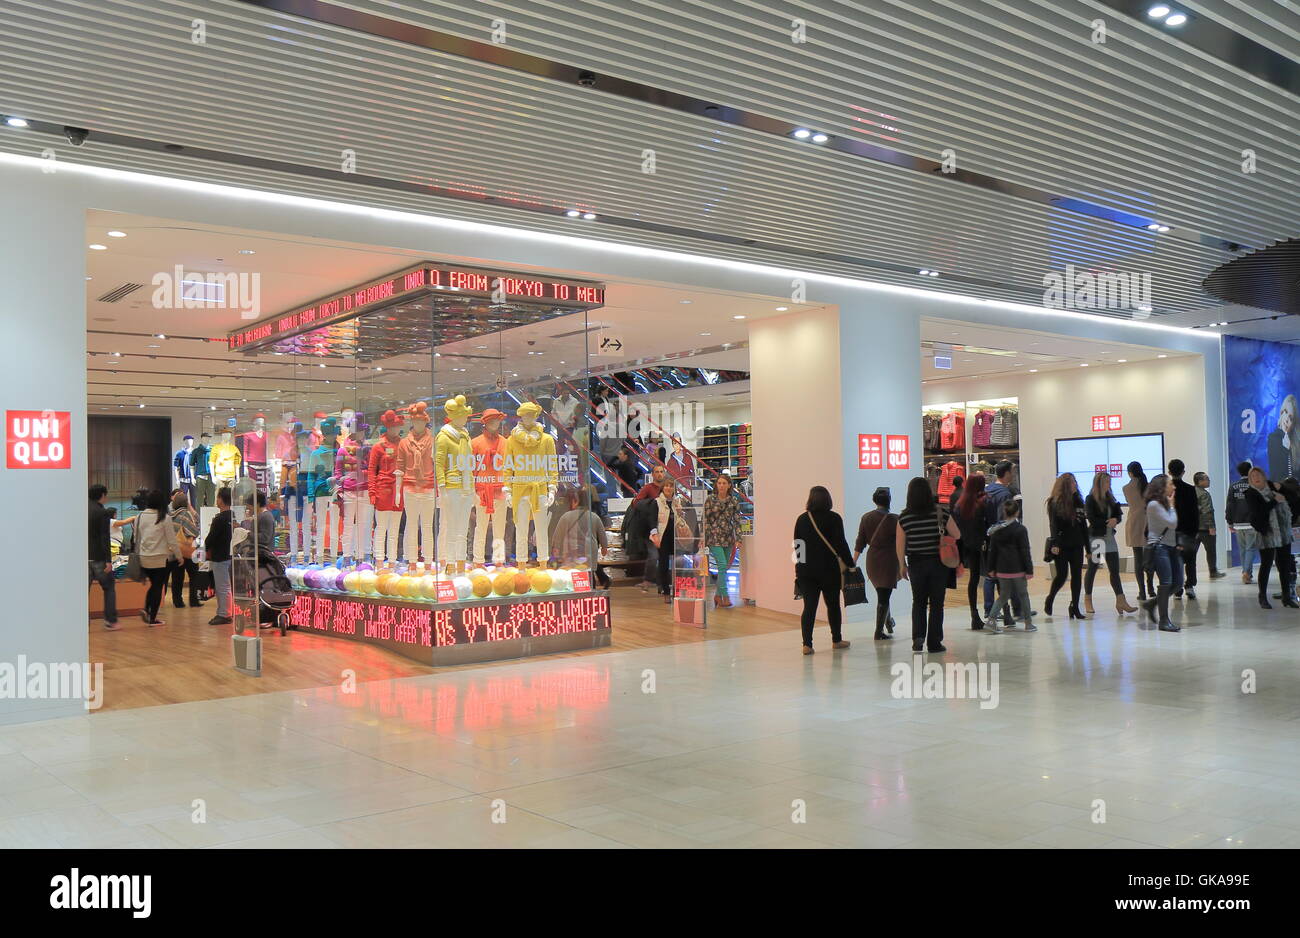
(1008, 560)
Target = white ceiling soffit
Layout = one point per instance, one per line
(1141, 125)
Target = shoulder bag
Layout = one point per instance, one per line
(949, 555)
(852, 581)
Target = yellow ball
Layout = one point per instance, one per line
(541, 581)
(387, 584)
(429, 587)
(478, 571)
(503, 583)
(351, 582)
(367, 581)
(481, 584)
(410, 588)
(523, 582)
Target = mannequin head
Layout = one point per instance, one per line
(418, 414)
(227, 434)
(188, 442)
(318, 417)
(491, 421)
(205, 438)
(329, 430)
(677, 444)
(348, 418)
(457, 411)
(528, 413)
(259, 423)
(287, 421)
(392, 422)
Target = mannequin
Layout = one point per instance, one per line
(316, 434)
(383, 488)
(224, 459)
(320, 491)
(285, 460)
(299, 498)
(489, 452)
(354, 507)
(183, 467)
(417, 487)
(453, 467)
(205, 491)
(531, 474)
(255, 453)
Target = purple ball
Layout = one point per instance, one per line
(312, 579)
(365, 566)
(338, 581)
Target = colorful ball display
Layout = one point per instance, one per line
(410, 587)
(523, 582)
(561, 581)
(428, 587)
(386, 583)
(480, 584)
(541, 581)
(503, 583)
(352, 582)
(362, 567)
(366, 581)
(463, 587)
(340, 581)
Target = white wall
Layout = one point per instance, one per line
(1161, 396)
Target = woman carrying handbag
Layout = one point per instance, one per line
(823, 555)
(926, 546)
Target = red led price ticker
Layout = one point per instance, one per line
(427, 278)
(429, 627)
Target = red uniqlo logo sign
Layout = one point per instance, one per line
(1114, 422)
(898, 452)
(871, 453)
(1099, 424)
(1116, 469)
(1100, 467)
(38, 439)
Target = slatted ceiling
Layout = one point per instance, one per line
(272, 86)
(1272, 23)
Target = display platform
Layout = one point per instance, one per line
(461, 632)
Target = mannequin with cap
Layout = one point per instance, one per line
(531, 475)
(489, 452)
(183, 467)
(224, 459)
(382, 488)
(254, 444)
(453, 466)
(319, 487)
(417, 489)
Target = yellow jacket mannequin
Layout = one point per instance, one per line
(531, 470)
(452, 456)
(224, 460)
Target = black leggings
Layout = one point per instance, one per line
(1112, 565)
(1267, 556)
(813, 591)
(973, 586)
(1069, 560)
(153, 598)
(178, 572)
(882, 606)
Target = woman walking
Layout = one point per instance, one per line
(1266, 518)
(819, 538)
(920, 528)
(186, 523)
(1104, 516)
(877, 533)
(971, 521)
(1135, 528)
(156, 543)
(1068, 525)
(722, 533)
(1162, 545)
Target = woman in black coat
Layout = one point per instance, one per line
(824, 555)
(1068, 525)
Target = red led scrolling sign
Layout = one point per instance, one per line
(426, 278)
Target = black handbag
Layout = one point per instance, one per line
(853, 583)
(1048, 556)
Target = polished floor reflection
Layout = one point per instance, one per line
(1105, 734)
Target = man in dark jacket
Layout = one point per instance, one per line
(216, 547)
(995, 496)
(1189, 522)
(627, 472)
(1236, 511)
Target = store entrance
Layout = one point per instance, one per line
(276, 366)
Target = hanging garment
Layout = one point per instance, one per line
(982, 432)
(952, 432)
(949, 472)
(1006, 428)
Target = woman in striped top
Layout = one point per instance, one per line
(919, 528)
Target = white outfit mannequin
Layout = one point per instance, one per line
(420, 498)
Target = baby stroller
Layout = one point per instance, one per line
(273, 590)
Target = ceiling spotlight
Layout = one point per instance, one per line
(819, 138)
(1154, 226)
(1162, 356)
(90, 278)
(1158, 11)
(1178, 19)
(573, 213)
(1121, 360)
(15, 122)
(142, 407)
(799, 134)
(99, 247)
(117, 234)
(246, 251)
(706, 333)
(737, 317)
(782, 309)
(588, 216)
(160, 336)
(932, 273)
(1033, 371)
(1083, 364)
(1144, 309)
(1162, 229)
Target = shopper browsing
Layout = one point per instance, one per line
(920, 528)
(1104, 516)
(158, 549)
(643, 542)
(1236, 512)
(1009, 561)
(1206, 532)
(877, 532)
(824, 552)
(1189, 522)
(1067, 521)
(102, 525)
(1162, 542)
(1135, 528)
(216, 547)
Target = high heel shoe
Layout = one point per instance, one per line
(976, 623)
(1263, 602)
(1122, 606)
(1087, 605)
(880, 636)
(1075, 613)
(1047, 606)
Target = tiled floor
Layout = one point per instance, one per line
(743, 743)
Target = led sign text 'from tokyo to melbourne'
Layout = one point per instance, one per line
(429, 627)
(427, 279)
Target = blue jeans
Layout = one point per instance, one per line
(1248, 545)
(221, 583)
(102, 573)
(1168, 562)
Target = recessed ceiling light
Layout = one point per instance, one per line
(737, 317)
(1083, 364)
(782, 309)
(1121, 360)
(1178, 19)
(706, 333)
(1033, 371)
(573, 213)
(683, 301)
(153, 346)
(246, 251)
(1158, 11)
(1145, 309)
(117, 234)
(802, 134)
(15, 122)
(925, 273)
(99, 247)
(588, 216)
(90, 278)
(1162, 356)
(1154, 226)
(142, 407)
(819, 138)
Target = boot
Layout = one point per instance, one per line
(976, 623)
(1263, 596)
(1087, 605)
(1075, 613)
(1162, 601)
(1288, 595)
(1122, 606)
(1149, 604)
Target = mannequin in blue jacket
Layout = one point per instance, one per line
(319, 490)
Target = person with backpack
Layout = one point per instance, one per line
(1008, 559)
(1206, 533)
(1236, 512)
(877, 532)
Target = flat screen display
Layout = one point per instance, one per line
(1085, 456)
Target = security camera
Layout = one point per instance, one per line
(587, 79)
(76, 135)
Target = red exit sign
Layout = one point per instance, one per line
(1103, 423)
(38, 439)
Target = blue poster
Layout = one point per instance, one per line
(1263, 380)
